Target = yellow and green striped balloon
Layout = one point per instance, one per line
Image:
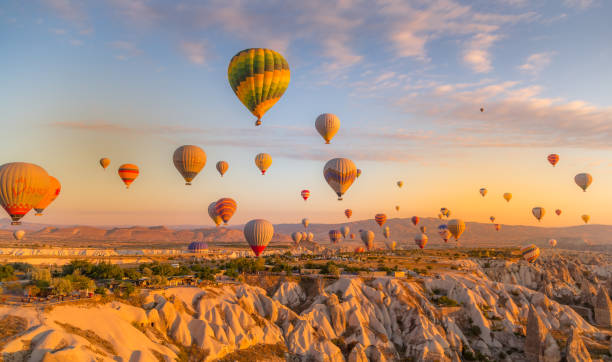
(259, 77)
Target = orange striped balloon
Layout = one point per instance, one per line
(104, 162)
(52, 193)
(348, 213)
(380, 219)
(128, 173)
(305, 194)
(225, 208)
(553, 159)
(222, 167)
(263, 161)
(22, 186)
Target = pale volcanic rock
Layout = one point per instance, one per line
(180, 332)
(167, 313)
(70, 354)
(289, 294)
(539, 343)
(603, 309)
(575, 350)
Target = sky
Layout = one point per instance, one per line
(132, 80)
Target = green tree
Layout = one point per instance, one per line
(6, 272)
(41, 274)
(61, 286)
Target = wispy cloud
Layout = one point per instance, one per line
(477, 54)
(535, 63)
(126, 49)
(580, 4)
(110, 127)
(194, 51)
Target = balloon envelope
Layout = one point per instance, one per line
(305, 222)
(104, 162)
(297, 237)
(400, 184)
(538, 212)
(340, 174)
(530, 253)
(415, 220)
(553, 159)
(558, 212)
(583, 180)
(507, 196)
(263, 161)
(483, 192)
(327, 125)
(367, 237)
(386, 232)
(222, 167)
(421, 240)
(305, 194)
(18, 234)
(197, 247)
(348, 213)
(128, 173)
(456, 228)
(189, 160)
(22, 186)
(552, 242)
(52, 193)
(258, 234)
(345, 231)
(585, 218)
(380, 219)
(258, 77)
(334, 236)
(225, 208)
(213, 213)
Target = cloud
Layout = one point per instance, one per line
(58, 31)
(68, 9)
(535, 63)
(477, 54)
(110, 127)
(126, 49)
(580, 4)
(194, 51)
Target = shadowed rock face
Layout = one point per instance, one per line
(603, 309)
(539, 343)
(575, 350)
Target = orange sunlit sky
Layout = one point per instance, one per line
(133, 80)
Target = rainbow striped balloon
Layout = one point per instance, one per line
(530, 253)
(380, 219)
(258, 77)
(225, 208)
(128, 173)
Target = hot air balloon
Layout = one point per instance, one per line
(345, 231)
(52, 193)
(397, 207)
(553, 159)
(367, 237)
(304, 235)
(348, 213)
(483, 192)
(334, 236)
(583, 180)
(415, 220)
(213, 213)
(222, 167)
(22, 186)
(258, 77)
(391, 245)
(359, 249)
(400, 184)
(586, 218)
(263, 161)
(352, 236)
(440, 216)
(327, 125)
(310, 237)
(189, 160)
(18, 234)
(530, 253)
(507, 196)
(444, 232)
(444, 211)
(552, 242)
(128, 173)
(358, 173)
(423, 229)
(104, 162)
(538, 212)
(558, 212)
(197, 247)
(420, 240)
(497, 227)
(305, 222)
(340, 174)
(225, 208)
(456, 228)
(492, 218)
(297, 237)
(386, 232)
(380, 219)
(305, 194)
(481, 109)
(258, 234)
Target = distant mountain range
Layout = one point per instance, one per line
(402, 231)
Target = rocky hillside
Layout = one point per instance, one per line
(557, 309)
